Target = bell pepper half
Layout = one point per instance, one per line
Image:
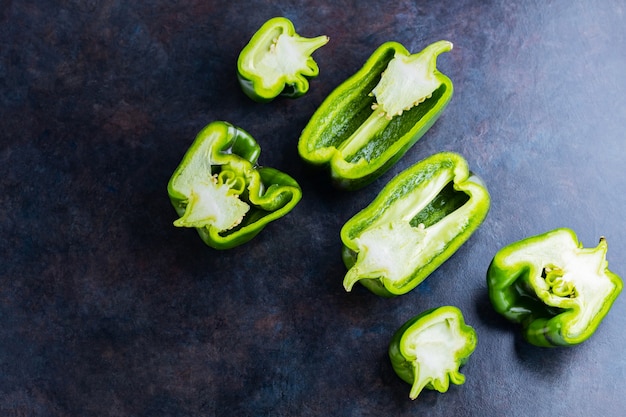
(277, 61)
(417, 221)
(428, 350)
(369, 121)
(219, 189)
(555, 288)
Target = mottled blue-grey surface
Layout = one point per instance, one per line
(106, 309)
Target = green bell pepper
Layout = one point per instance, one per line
(418, 220)
(368, 122)
(277, 61)
(428, 350)
(219, 189)
(555, 288)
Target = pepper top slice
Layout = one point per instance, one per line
(416, 223)
(277, 61)
(369, 121)
(428, 350)
(219, 190)
(555, 288)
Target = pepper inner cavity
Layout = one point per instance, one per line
(446, 202)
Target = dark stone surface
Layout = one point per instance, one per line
(106, 309)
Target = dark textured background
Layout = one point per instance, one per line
(106, 309)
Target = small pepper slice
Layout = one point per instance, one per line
(555, 288)
(428, 350)
(418, 220)
(368, 122)
(277, 61)
(219, 189)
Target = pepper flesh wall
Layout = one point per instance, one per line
(368, 122)
(277, 61)
(428, 350)
(419, 219)
(555, 288)
(219, 190)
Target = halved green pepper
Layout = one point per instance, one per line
(418, 220)
(368, 122)
(555, 288)
(277, 61)
(219, 189)
(428, 350)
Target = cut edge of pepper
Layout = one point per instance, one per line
(404, 362)
(469, 184)
(534, 315)
(223, 141)
(346, 172)
(288, 85)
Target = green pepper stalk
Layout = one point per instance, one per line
(219, 189)
(418, 220)
(368, 122)
(428, 350)
(277, 61)
(555, 288)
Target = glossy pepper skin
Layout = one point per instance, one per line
(369, 121)
(277, 61)
(418, 220)
(219, 189)
(555, 288)
(428, 350)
